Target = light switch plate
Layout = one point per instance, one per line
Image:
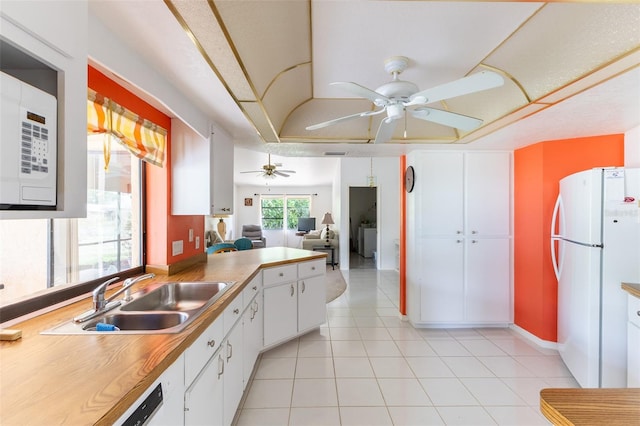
(197, 242)
(190, 235)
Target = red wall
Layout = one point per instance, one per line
(162, 227)
(537, 170)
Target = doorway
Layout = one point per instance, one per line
(363, 222)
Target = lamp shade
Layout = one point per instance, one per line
(327, 219)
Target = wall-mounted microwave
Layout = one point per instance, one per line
(28, 146)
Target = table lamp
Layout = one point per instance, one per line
(327, 220)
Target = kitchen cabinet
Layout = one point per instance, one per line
(252, 327)
(203, 399)
(57, 46)
(633, 342)
(461, 248)
(294, 300)
(233, 369)
(170, 412)
(205, 161)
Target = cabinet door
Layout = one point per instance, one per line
(222, 174)
(233, 385)
(442, 296)
(487, 193)
(252, 323)
(439, 193)
(203, 400)
(280, 313)
(312, 296)
(488, 295)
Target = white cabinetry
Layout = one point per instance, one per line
(203, 399)
(203, 163)
(633, 343)
(233, 381)
(170, 412)
(462, 239)
(294, 300)
(252, 326)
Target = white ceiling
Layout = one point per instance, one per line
(571, 69)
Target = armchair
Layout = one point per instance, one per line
(254, 233)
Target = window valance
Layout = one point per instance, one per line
(144, 139)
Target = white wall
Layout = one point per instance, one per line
(354, 172)
(250, 215)
(632, 148)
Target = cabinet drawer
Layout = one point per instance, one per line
(310, 269)
(251, 290)
(279, 274)
(634, 310)
(197, 355)
(232, 313)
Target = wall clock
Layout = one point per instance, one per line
(409, 179)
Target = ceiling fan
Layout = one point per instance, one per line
(269, 170)
(398, 97)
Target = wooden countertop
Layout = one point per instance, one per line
(93, 379)
(632, 289)
(591, 406)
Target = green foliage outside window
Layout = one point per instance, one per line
(273, 211)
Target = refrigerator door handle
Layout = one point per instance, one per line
(555, 260)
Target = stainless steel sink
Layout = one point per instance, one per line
(156, 309)
(179, 296)
(137, 321)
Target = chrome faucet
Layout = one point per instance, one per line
(102, 304)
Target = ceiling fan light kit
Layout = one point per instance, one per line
(397, 98)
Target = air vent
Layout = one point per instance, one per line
(335, 153)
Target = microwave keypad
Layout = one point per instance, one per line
(34, 151)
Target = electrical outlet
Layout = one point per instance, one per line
(190, 235)
(197, 243)
(177, 248)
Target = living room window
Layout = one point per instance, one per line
(282, 212)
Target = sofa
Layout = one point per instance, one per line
(319, 238)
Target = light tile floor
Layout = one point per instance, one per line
(367, 367)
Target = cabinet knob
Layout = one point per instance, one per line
(474, 241)
(281, 274)
(236, 311)
(313, 268)
(211, 343)
(458, 241)
(474, 232)
(638, 313)
(292, 290)
(458, 232)
(255, 288)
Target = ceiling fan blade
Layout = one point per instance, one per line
(287, 171)
(474, 83)
(362, 92)
(385, 131)
(345, 118)
(451, 119)
(279, 173)
(253, 171)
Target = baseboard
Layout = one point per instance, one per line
(533, 338)
(179, 266)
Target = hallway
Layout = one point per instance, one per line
(367, 367)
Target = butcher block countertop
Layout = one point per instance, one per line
(591, 406)
(93, 379)
(632, 289)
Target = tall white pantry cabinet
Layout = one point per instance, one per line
(459, 239)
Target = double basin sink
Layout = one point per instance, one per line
(156, 309)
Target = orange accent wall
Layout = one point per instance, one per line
(162, 228)
(537, 170)
(403, 239)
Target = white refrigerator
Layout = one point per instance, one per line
(595, 245)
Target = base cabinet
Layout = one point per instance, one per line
(294, 300)
(232, 378)
(203, 400)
